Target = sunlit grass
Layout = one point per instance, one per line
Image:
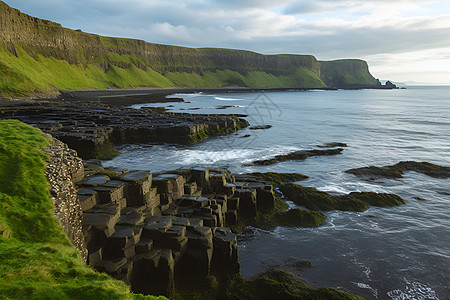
(37, 261)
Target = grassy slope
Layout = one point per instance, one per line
(36, 258)
(40, 56)
(22, 76)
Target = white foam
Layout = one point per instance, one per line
(413, 290)
(185, 95)
(227, 99)
(334, 188)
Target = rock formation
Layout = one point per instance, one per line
(92, 128)
(63, 170)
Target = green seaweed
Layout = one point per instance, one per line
(278, 179)
(314, 199)
(278, 284)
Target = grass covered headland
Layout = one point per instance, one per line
(36, 258)
(39, 57)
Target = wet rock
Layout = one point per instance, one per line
(301, 218)
(260, 127)
(317, 200)
(297, 155)
(225, 255)
(96, 180)
(247, 202)
(276, 179)
(397, 170)
(332, 145)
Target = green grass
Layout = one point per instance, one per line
(26, 76)
(37, 260)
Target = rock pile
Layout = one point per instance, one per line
(63, 170)
(152, 230)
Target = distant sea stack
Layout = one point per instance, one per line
(40, 57)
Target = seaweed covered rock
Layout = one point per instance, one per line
(378, 199)
(396, 171)
(277, 284)
(356, 201)
(308, 196)
(297, 217)
(296, 155)
(277, 179)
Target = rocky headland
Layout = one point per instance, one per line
(92, 128)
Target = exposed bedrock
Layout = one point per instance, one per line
(92, 129)
(154, 230)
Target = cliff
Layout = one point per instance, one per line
(40, 56)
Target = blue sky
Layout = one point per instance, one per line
(404, 40)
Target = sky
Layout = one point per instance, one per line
(402, 40)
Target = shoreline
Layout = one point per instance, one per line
(153, 95)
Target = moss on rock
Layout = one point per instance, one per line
(297, 217)
(396, 171)
(277, 284)
(378, 199)
(277, 179)
(356, 201)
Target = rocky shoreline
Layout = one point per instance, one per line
(174, 232)
(158, 232)
(92, 128)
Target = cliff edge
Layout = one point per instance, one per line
(40, 57)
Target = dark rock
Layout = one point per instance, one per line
(297, 155)
(144, 246)
(397, 170)
(276, 179)
(301, 218)
(96, 180)
(317, 200)
(98, 127)
(260, 127)
(332, 145)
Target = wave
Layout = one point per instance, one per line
(413, 290)
(227, 99)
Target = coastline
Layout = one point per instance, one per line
(157, 95)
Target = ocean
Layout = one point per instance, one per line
(382, 253)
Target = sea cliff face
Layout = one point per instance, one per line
(39, 56)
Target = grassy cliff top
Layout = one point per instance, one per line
(37, 260)
(41, 57)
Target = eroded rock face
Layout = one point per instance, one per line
(65, 168)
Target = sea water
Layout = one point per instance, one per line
(382, 253)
